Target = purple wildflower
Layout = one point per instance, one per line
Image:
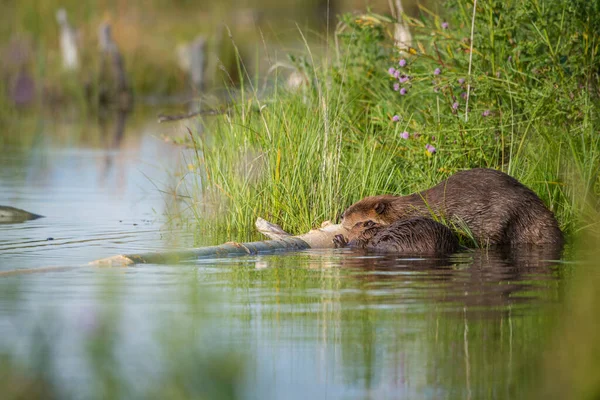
(455, 106)
(403, 78)
(445, 25)
(396, 74)
(403, 91)
(461, 80)
(486, 113)
(430, 149)
(402, 62)
(392, 71)
(437, 71)
(396, 86)
(464, 95)
(395, 118)
(405, 135)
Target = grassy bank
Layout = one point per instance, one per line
(519, 95)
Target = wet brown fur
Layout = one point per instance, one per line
(411, 236)
(495, 207)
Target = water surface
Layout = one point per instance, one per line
(312, 324)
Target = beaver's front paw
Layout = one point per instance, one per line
(339, 241)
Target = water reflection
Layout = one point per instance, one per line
(112, 129)
(327, 323)
(319, 323)
(364, 326)
(490, 279)
(96, 184)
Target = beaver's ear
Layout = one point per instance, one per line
(380, 207)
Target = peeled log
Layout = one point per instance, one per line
(321, 238)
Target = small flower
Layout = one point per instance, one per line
(430, 149)
(402, 62)
(455, 106)
(405, 135)
(437, 71)
(464, 95)
(461, 80)
(486, 113)
(403, 78)
(396, 86)
(445, 25)
(392, 71)
(397, 74)
(396, 118)
(403, 91)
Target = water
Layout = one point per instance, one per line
(312, 324)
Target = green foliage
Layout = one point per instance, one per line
(358, 128)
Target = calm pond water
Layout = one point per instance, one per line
(313, 324)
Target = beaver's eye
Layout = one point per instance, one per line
(369, 224)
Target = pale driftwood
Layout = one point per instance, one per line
(68, 42)
(113, 81)
(223, 250)
(270, 230)
(320, 238)
(281, 240)
(197, 62)
(402, 35)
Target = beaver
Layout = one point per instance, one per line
(495, 207)
(418, 235)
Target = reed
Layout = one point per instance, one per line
(371, 119)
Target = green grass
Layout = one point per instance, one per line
(298, 157)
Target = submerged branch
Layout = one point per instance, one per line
(280, 240)
(321, 238)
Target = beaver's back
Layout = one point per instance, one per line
(495, 207)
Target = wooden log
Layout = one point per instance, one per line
(281, 240)
(114, 89)
(68, 42)
(402, 35)
(198, 63)
(223, 250)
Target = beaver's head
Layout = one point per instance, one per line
(364, 230)
(375, 208)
